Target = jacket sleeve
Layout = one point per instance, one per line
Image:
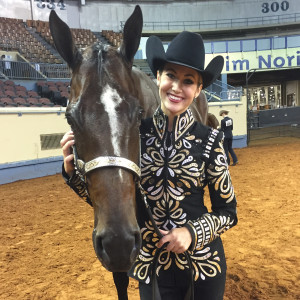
(223, 202)
(77, 184)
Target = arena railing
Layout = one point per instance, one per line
(33, 71)
(217, 24)
(220, 91)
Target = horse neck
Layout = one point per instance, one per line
(147, 92)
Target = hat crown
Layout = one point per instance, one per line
(187, 48)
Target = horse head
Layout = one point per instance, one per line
(104, 113)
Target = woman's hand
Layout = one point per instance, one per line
(179, 240)
(66, 144)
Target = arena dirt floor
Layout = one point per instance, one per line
(46, 248)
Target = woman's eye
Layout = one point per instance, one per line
(170, 75)
(188, 81)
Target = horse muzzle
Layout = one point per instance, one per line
(117, 250)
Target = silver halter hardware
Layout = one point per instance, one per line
(105, 161)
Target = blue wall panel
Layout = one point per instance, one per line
(11, 172)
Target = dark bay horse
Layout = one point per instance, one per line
(107, 98)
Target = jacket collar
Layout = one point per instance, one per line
(181, 124)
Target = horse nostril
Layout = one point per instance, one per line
(97, 243)
(137, 246)
(137, 237)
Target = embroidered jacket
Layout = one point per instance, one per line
(175, 169)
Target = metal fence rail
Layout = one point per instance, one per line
(275, 131)
(35, 71)
(219, 91)
(217, 24)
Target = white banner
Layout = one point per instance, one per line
(241, 62)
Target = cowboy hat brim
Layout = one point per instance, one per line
(223, 111)
(157, 58)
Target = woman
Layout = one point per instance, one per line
(179, 157)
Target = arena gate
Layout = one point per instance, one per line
(283, 122)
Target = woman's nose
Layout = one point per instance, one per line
(176, 86)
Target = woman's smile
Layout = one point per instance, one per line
(174, 98)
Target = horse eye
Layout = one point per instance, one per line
(68, 117)
(141, 114)
(69, 122)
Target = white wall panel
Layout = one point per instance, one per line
(98, 15)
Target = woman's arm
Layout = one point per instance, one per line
(223, 216)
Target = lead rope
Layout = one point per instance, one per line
(155, 290)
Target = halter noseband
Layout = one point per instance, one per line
(105, 161)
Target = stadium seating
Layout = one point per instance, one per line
(33, 101)
(6, 101)
(113, 38)
(82, 37)
(22, 94)
(21, 101)
(12, 95)
(56, 91)
(46, 102)
(15, 37)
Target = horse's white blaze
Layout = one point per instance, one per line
(111, 100)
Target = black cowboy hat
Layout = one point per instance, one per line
(186, 49)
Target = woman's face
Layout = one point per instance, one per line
(178, 86)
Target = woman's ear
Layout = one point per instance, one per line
(198, 91)
(158, 78)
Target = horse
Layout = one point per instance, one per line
(108, 99)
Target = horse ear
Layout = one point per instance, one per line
(63, 40)
(132, 34)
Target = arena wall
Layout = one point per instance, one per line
(22, 130)
(21, 136)
(238, 112)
